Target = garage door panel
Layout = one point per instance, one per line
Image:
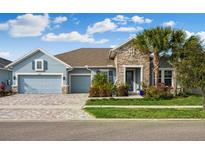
(39, 84)
(80, 83)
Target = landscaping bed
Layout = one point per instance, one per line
(146, 113)
(190, 100)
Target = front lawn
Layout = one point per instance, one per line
(145, 113)
(190, 100)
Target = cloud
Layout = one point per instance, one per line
(147, 20)
(129, 29)
(112, 46)
(169, 24)
(102, 26)
(60, 19)
(141, 20)
(201, 36)
(188, 34)
(122, 20)
(75, 21)
(4, 54)
(73, 37)
(4, 26)
(28, 25)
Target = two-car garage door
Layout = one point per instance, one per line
(39, 83)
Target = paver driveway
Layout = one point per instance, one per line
(43, 107)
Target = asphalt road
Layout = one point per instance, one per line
(104, 130)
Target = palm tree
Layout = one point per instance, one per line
(177, 44)
(154, 41)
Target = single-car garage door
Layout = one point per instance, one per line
(39, 84)
(80, 83)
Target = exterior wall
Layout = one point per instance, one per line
(127, 55)
(163, 65)
(53, 67)
(91, 71)
(5, 76)
(95, 70)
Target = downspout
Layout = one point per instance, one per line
(86, 66)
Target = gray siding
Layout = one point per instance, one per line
(91, 71)
(164, 63)
(53, 66)
(5, 75)
(95, 70)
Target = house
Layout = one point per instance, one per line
(5, 74)
(72, 72)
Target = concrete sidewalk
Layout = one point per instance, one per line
(140, 106)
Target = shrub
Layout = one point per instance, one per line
(94, 92)
(122, 90)
(159, 92)
(100, 86)
(99, 79)
(2, 89)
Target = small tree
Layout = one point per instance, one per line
(190, 65)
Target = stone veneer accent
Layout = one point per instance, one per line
(14, 89)
(128, 55)
(65, 89)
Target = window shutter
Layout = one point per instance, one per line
(33, 65)
(45, 65)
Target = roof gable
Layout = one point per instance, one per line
(112, 52)
(4, 62)
(34, 52)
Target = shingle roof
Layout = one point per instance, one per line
(4, 62)
(87, 56)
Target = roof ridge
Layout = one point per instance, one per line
(78, 49)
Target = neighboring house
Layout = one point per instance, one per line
(72, 72)
(5, 74)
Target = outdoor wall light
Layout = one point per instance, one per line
(64, 78)
(14, 77)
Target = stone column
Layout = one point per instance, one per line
(65, 89)
(15, 89)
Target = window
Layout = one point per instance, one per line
(165, 77)
(111, 77)
(39, 65)
(168, 78)
(160, 77)
(108, 73)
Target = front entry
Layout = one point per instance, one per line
(130, 79)
(133, 79)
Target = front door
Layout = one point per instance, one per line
(130, 79)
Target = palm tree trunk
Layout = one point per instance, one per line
(156, 68)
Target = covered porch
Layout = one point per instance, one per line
(133, 77)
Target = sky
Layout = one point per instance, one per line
(58, 33)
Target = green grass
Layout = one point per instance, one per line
(190, 100)
(145, 113)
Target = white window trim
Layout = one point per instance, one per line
(42, 62)
(141, 74)
(162, 75)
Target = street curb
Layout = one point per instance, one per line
(143, 106)
(25, 120)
